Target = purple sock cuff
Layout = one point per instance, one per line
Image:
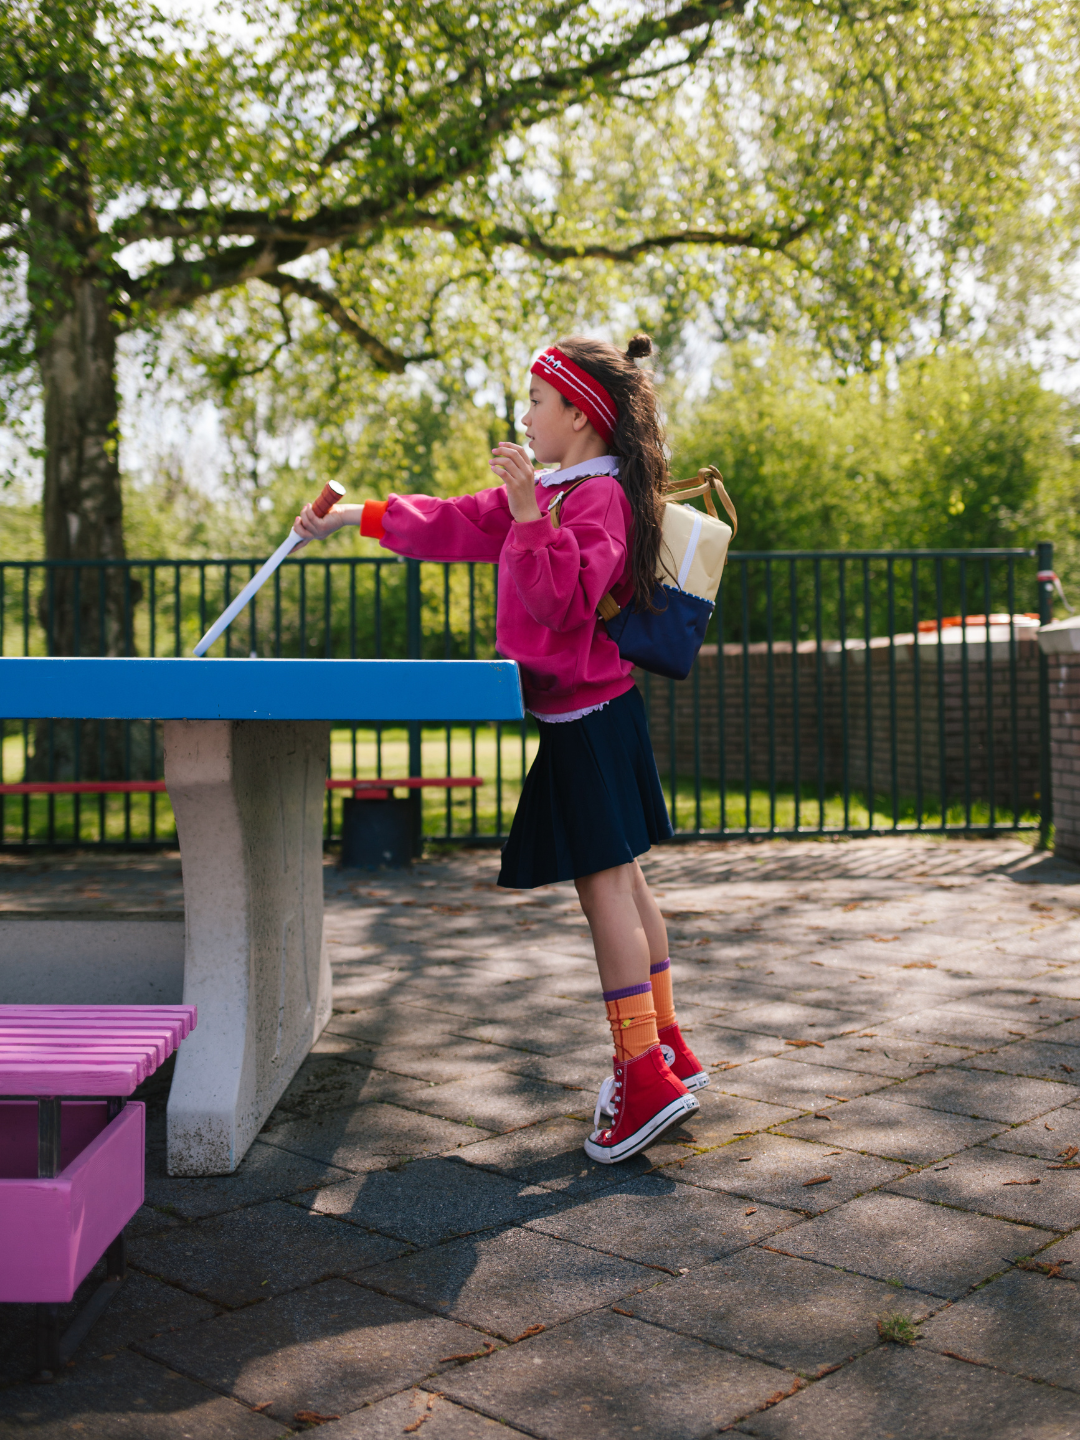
(625, 994)
(664, 965)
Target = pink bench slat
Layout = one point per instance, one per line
(86, 1049)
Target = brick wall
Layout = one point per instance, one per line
(1065, 752)
(764, 707)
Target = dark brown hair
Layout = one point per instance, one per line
(638, 441)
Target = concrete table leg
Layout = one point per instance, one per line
(248, 798)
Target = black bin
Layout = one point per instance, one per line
(376, 834)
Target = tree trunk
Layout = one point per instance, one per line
(86, 609)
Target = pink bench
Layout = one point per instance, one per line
(72, 1151)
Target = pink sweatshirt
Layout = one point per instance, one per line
(550, 581)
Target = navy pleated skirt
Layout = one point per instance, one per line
(592, 799)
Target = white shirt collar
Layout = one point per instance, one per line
(602, 465)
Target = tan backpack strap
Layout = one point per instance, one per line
(707, 482)
(555, 507)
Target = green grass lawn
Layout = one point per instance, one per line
(488, 810)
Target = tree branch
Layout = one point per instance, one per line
(381, 355)
(522, 102)
(529, 240)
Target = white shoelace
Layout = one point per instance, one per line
(607, 1101)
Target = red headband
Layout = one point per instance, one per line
(579, 387)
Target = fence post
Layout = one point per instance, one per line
(412, 643)
(1045, 558)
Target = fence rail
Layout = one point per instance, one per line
(832, 696)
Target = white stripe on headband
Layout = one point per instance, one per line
(581, 385)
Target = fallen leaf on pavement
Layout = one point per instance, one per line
(1068, 1152)
(475, 1355)
(532, 1330)
(1021, 1182)
(919, 965)
(628, 1313)
(1021, 1033)
(751, 1211)
(802, 1044)
(312, 1417)
(817, 1180)
(265, 1405)
(820, 1115)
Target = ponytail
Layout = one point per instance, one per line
(638, 441)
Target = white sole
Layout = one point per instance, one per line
(674, 1110)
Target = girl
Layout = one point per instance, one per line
(592, 801)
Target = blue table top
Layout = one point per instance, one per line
(189, 689)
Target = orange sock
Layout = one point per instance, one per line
(632, 1020)
(662, 995)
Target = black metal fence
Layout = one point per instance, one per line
(836, 692)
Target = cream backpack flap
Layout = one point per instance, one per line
(693, 551)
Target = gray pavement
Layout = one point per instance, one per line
(418, 1244)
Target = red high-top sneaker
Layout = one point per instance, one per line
(646, 1099)
(682, 1061)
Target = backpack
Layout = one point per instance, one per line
(693, 549)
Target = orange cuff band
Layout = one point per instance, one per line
(371, 519)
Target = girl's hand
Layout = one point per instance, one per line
(512, 465)
(308, 524)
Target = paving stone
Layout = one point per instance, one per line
(788, 1312)
(550, 1154)
(1068, 1033)
(982, 1094)
(127, 1397)
(779, 1165)
(507, 1282)
(1047, 1136)
(265, 1173)
(720, 1047)
(927, 1247)
(389, 1419)
(584, 1069)
(570, 1383)
(723, 1117)
(142, 1307)
(656, 1222)
(903, 1132)
(542, 1034)
(390, 1025)
(329, 1348)
(976, 1180)
(896, 1393)
(442, 1061)
(789, 1019)
(1066, 1252)
(258, 1252)
(786, 1082)
(330, 1082)
(1038, 1058)
(496, 1101)
(427, 1201)
(953, 1027)
(1027, 1006)
(1022, 1322)
(878, 1055)
(370, 1137)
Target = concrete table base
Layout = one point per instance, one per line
(248, 798)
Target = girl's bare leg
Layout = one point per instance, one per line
(651, 920)
(622, 943)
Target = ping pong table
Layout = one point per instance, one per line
(246, 752)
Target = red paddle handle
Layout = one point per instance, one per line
(332, 493)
